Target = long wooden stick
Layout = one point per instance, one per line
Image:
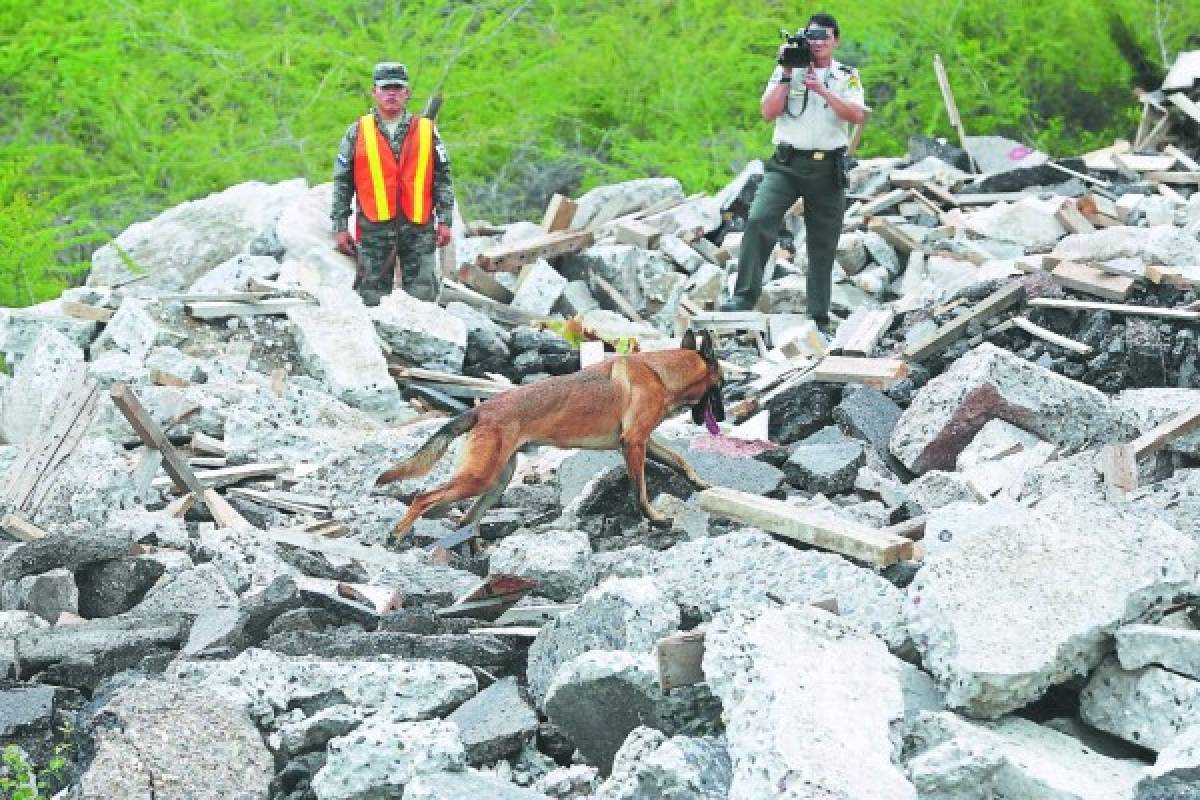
(952, 109)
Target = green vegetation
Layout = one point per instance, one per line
(112, 111)
(20, 780)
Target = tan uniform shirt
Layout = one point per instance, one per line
(815, 126)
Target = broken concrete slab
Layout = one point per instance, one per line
(1026, 222)
(473, 650)
(461, 785)
(112, 644)
(812, 705)
(181, 244)
(600, 696)
(68, 549)
(538, 288)
(232, 275)
(651, 764)
(936, 489)
(749, 568)
(990, 383)
(619, 614)
(1176, 500)
(20, 328)
(112, 587)
(1013, 757)
(422, 334)
(495, 723)
(337, 343)
(1172, 648)
(312, 733)
(268, 683)
(47, 595)
(1161, 244)
(1149, 706)
(606, 203)
(559, 560)
(826, 467)
(1152, 406)
(1176, 773)
(962, 601)
(135, 330)
(383, 755)
(154, 740)
(12, 624)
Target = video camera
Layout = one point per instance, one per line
(797, 54)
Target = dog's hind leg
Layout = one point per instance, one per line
(484, 458)
(635, 462)
(661, 453)
(480, 506)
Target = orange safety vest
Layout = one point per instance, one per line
(383, 182)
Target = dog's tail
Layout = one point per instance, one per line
(423, 460)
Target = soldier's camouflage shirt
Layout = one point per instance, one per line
(343, 172)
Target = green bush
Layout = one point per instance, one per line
(20, 780)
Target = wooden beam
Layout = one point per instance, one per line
(952, 109)
(999, 301)
(859, 335)
(1173, 177)
(892, 234)
(203, 443)
(1116, 308)
(1162, 435)
(21, 529)
(511, 257)
(1182, 157)
(224, 476)
(160, 378)
(498, 312)
(637, 233)
(217, 310)
(559, 213)
(616, 297)
(878, 373)
(1072, 219)
(84, 311)
(1186, 104)
(174, 464)
(31, 475)
(814, 527)
(1181, 277)
(1084, 278)
(883, 201)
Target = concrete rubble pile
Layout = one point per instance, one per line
(955, 552)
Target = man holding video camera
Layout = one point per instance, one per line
(813, 100)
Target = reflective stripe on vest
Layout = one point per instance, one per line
(416, 171)
(376, 173)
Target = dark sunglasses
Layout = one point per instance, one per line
(816, 34)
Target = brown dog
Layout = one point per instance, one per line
(616, 403)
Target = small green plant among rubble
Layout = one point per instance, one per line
(22, 780)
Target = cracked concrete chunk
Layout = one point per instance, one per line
(383, 755)
(1149, 706)
(989, 383)
(155, 741)
(559, 560)
(1029, 566)
(812, 706)
(628, 614)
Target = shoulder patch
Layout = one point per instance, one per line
(442, 154)
(846, 68)
(853, 82)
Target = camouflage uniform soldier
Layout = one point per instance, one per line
(812, 130)
(395, 166)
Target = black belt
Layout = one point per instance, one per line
(786, 153)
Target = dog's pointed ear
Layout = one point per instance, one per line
(707, 347)
(689, 340)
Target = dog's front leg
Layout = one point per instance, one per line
(635, 463)
(660, 452)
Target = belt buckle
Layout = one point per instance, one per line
(818, 155)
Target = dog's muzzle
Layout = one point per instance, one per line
(712, 401)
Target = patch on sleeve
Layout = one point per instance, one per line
(342, 160)
(443, 156)
(854, 82)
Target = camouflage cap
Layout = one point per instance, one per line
(390, 73)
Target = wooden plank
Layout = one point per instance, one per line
(863, 330)
(270, 306)
(1183, 158)
(884, 201)
(174, 464)
(878, 373)
(1185, 104)
(222, 477)
(511, 257)
(559, 213)
(987, 198)
(21, 529)
(160, 378)
(1116, 308)
(614, 295)
(1181, 277)
(215, 297)
(1072, 219)
(31, 474)
(1081, 175)
(1130, 161)
(892, 234)
(480, 387)
(495, 595)
(180, 505)
(1118, 463)
(952, 109)
(811, 526)
(1050, 336)
(498, 312)
(203, 443)
(637, 233)
(83, 311)
(1174, 177)
(366, 554)
(1161, 435)
(1084, 278)
(1003, 298)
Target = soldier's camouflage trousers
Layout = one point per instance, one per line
(414, 253)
